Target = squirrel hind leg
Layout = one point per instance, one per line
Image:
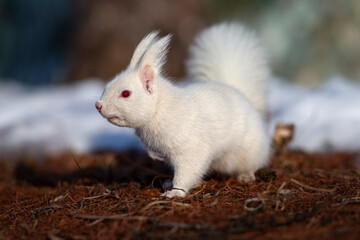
(246, 177)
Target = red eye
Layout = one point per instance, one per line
(125, 93)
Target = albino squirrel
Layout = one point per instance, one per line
(214, 122)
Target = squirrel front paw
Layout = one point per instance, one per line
(246, 177)
(174, 193)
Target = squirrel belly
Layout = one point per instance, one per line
(213, 122)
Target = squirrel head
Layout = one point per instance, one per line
(130, 99)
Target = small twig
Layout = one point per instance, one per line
(213, 203)
(164, 202)
(310, 187)
(82, 203)
(112, 217)
(45, 208)
(97, 196)
(217, 193)
(58, 198)
(251, 200)
(153, 180)
(347, 201)
(202, 189)
(95, 222)
(184, 225)
(278, 192)
(106, 193)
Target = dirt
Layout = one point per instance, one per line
(117, 196)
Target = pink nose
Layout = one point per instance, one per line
(98, 106)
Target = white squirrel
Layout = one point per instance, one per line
(213, 122)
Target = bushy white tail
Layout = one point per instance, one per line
(230, 54)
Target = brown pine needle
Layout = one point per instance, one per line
(165, 202)
(111, 217)
(310, 187)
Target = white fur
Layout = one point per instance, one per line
(200, 125)
(230, 54)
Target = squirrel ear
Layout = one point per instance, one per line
(149, 57)
(142, 47)
(147, 78)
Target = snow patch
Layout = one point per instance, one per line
(54, 119)
(327, 118)
(51, 120)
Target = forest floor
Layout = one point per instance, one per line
(117, 196)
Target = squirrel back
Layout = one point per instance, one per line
(230, 54)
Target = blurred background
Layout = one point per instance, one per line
(48, 46)
(56, 41)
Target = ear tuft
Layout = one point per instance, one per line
(159, 51)
(149, 57)
(142, 47)
(155, 55)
